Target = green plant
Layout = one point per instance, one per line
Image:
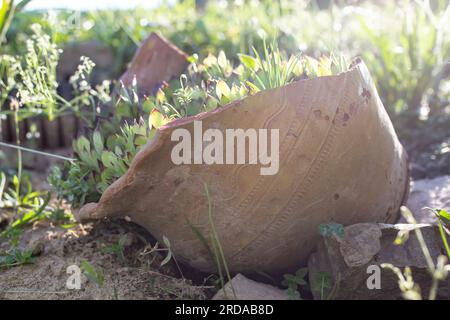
(94, 276)
(169, 251)
(99, 162)
(118, 249)
(204, 86)
(13, 235)
(221, 262)
(410, 289)
(12, 197)
(170, 255)
(2, 187)
(409, 67)
(29, 206)
(443, 218)
(156, 250)
(216, 253)
(323, 283)
(273, 71)
(438, 271)
(7, 11)
(16, 257)
(216, 81)
(33, 77)
(293, 282)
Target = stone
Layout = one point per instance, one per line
(339, 160)
(432, 193)
(346, 264)
(156, 60)
(37, 249)
(247, 289)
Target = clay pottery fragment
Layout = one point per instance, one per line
(155, 61)
(339, 161)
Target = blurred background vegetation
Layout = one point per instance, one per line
(405, 44)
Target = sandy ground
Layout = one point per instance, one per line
(139, 276)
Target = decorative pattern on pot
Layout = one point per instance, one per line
(339, 161)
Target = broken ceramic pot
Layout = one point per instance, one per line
(339, 160)
(155, 61)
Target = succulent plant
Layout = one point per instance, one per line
(213, 82)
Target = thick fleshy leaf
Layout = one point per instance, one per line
(444, 215)
(157, 119)
(98, 142)
(222, 89)
(249, 62)
(222, 59)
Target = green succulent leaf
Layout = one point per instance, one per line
(249, 62)
(157, 119)
(98, 142)
(222, 60)
(444, 215)
(222, 89)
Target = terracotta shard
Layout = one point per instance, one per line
(155, 61)
(340, 160)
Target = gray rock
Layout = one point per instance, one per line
(341, 267)
(246, 289)
(433, 193)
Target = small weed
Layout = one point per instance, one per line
(94, 276)
(438, 271)
(169, 251)
(271, 72)
(7, 11)
(16, 257)
(170, 255)
(293, 282)
(221, 262)
(100, 162)
(155, 253)
(29, 207)
(443, 219)
(323, 282)
(118, 250)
